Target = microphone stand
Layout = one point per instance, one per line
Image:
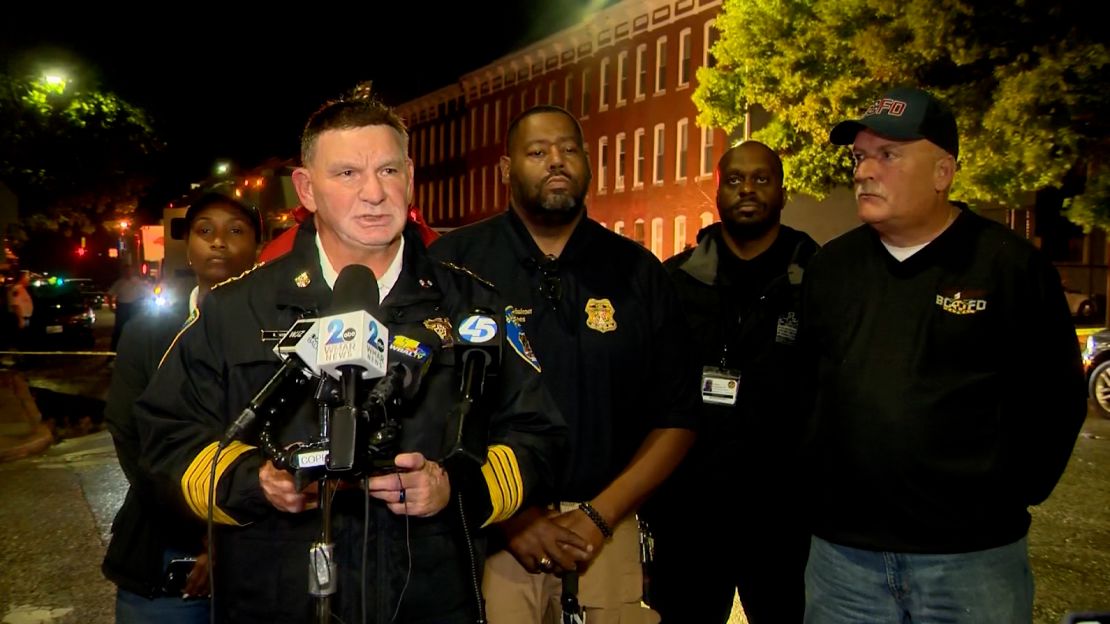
(322, 569)
(461, 445)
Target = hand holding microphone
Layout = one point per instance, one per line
(419, 487)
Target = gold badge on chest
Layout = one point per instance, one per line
(600, 315)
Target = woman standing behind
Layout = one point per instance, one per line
(149, 532)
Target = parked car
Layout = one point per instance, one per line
(62, 318)
(97, 297)
(1084, 306)
(1096, 363)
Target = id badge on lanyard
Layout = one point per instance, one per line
(719, 386)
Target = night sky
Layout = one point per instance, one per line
(239, 85)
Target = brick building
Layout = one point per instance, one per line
(628, 75)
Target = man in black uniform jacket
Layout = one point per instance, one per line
(741, 291)
(950, 390)
(357, 181)
(612, 343)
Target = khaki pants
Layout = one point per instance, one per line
(609, 590)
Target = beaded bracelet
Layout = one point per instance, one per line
(596, 518)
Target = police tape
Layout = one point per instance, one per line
(101, 353)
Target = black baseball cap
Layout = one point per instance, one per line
(904, 114)
(223, 193)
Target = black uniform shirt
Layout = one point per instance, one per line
(744, 282)
(608, 332)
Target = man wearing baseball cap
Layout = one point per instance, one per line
(949, 392)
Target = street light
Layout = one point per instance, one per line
(55, 80)
(222, 167)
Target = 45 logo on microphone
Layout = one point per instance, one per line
(478, 328)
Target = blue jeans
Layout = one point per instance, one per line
(851, 586)
(135, 609)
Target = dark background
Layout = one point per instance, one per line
(239, 84)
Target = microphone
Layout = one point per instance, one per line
(478, 345)
(351, 337)
(409, 358)
(289, 385)
(352, 347)
(302, 341)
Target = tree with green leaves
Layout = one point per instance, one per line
(75, 158)
(1027, 80)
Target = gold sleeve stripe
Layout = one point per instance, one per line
(193, 316)
(502, 474)
(195, 482)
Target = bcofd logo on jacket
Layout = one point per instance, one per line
(962, 302)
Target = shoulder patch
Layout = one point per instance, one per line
(467, 272)
(514, 333)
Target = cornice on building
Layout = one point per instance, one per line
(426, 106)
(604, 29)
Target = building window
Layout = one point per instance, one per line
(470, 185)
(685, 43)
(485, 124)
(682, 140)
(496, 185)
(706, 151)
(585, 93)
(657, 173)
(638, 232)
(622, 78)
(551, 93)
(710, 38)
(497, 122)
(462, 136)
(618, 227)
(706, 219)
(657, 237)
(450, 198)
(439, 200)
(423, 146)
(661, 65)
(638, 170)
(460, 182)
(603, 102)
(523, 100)
(641, 70)
(568, 92)
(451, 139)
(432, 152)
(602, 163)
(679, 233)
(485, 204)
(618, 183)
(473, 128)
(442, 140)
(420, 196)
(536, 99)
